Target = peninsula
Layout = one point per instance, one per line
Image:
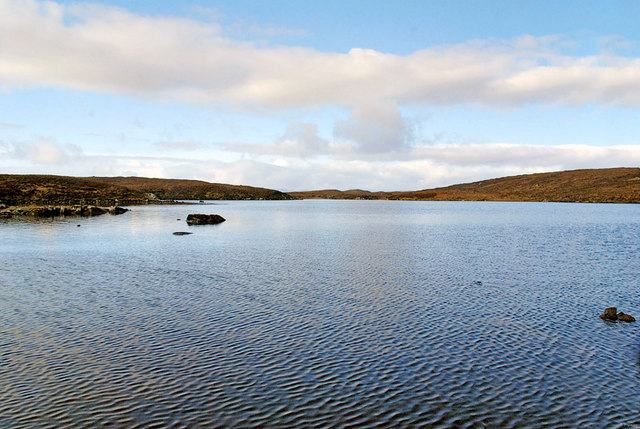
(47, 190)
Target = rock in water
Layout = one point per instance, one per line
(116, 210)
(182, 233)
(610, 314)
(626, 317)
(203, 219)
(95, 211)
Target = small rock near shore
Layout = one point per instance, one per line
(204, 219)
(182, 233)
(116, 210)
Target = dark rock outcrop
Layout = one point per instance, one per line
(626, 317)
(182, 233)
(117, 210)
(612, 314)
(96, 211)
(53, 211)
(203, 219)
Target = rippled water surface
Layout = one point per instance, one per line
(323, 314)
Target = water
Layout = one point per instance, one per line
(323, 314)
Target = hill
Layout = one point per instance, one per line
(609, 185)
(46, 189)
(179, 189)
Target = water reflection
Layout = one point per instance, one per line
(320, 313)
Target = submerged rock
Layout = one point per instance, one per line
(182, 233)
(203, 219)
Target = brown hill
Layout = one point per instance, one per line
(609, 185)
(45, 189)
(179, 189)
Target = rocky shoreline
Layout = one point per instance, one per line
(56, 211)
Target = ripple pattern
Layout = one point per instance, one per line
(368, 321)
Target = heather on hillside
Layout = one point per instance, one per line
(610, 185)
(44, 189)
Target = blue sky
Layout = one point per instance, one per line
(299, 95)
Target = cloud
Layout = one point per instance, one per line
(9, 126)
(423, 168)
(270, 31)
(368, 132)
(418, 168)
(175, 145)
(306, 135)
(42, 151)
(514, 156)
(110, 50)
(300, 140)
(375, 128)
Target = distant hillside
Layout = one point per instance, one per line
(610, 185)
(177, 189)
(45, 189)
(334, 194)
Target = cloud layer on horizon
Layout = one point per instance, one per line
(418, 168)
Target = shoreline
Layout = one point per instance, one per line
(50, 211)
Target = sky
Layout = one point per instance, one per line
(303, 95)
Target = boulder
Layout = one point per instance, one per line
(203, 219)
(610, 314)
(117, 210)
(182, 233)
(626, 317)
(95, 211)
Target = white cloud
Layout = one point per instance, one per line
(369, 132)
(300, 140)
(499, 155)
(42, 151)
(307, 136)
(177, 145)
(9, 126)
(110, 50)
(375, 128)
(420, 168)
